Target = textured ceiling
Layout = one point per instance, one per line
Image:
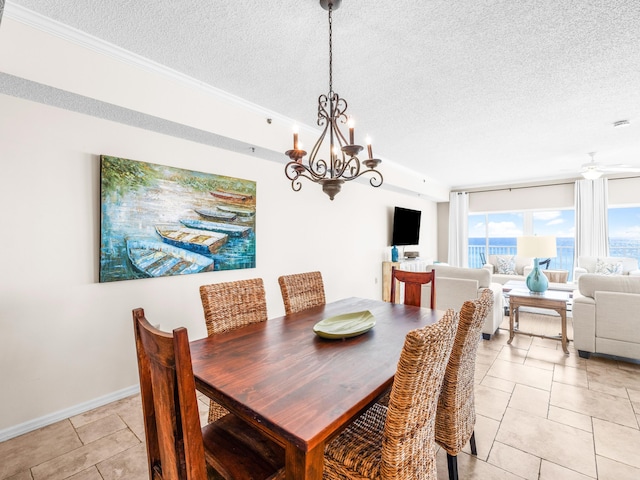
(470, 93)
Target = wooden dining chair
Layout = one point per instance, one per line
(231, 305)
(301, 291)
(456, 416)
(177, 448)
(398, 441)
(413, 282)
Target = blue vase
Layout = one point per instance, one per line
(394, 254)
(537, 280)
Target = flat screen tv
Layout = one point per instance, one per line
(406, 226)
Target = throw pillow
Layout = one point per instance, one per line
(604, 268)
(507, 265)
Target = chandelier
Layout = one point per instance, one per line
(341, 164)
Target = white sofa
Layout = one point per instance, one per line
(498, 265)
(522, 268)
(455, 285)
(606, 316)
(625, 265)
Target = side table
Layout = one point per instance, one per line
(551, 299)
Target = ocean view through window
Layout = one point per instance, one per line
(496, 234)
(624, 232)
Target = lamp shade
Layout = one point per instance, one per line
(537, 246)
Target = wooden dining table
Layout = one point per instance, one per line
(298, 388)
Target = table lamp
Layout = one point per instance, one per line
(537, 247)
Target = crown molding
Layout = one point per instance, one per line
(85, 40)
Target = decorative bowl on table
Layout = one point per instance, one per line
(345, 325)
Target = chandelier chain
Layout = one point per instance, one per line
(330, 50)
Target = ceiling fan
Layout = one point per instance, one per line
(593, 169)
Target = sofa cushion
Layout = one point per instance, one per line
(481, 275)
(521, 262)
(608, 268)
(506, 265)
(590, 283)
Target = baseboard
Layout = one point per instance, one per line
(54, 417)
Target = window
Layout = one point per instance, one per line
(624, 232)
(496, 233)
(493, 234)
(561, 224)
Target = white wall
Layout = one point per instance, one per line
(66, 341)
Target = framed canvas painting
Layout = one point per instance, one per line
(158, 221)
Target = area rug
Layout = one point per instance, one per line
(540, 324)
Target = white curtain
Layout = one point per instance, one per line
(458, 229)
(592, 230)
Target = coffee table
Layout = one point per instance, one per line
(551, 299)
(522, 285)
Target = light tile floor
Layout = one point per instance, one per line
(541, 415)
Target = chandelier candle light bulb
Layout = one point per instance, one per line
(351, 126)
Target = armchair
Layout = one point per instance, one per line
(457, 285)
(605, 318)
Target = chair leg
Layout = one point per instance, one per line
(452, 463)
(472, 443)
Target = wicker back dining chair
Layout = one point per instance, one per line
(456, 416)
(413, 282)
(231, 305)
(398, 441)
(177, 448)
(301, 291)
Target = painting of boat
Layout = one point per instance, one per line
(199, 241)
(157, 259)
(227, 228)
(232, 197)
(216, 214)
(146, 201)
(243, 212)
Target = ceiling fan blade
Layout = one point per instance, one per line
(619, 168)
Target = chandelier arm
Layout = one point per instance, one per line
(340, 108)
(376, 177)
(296, 184)
(323, 114)
(294, 170)
(350, 168)
(342, 140)
(317, 165)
